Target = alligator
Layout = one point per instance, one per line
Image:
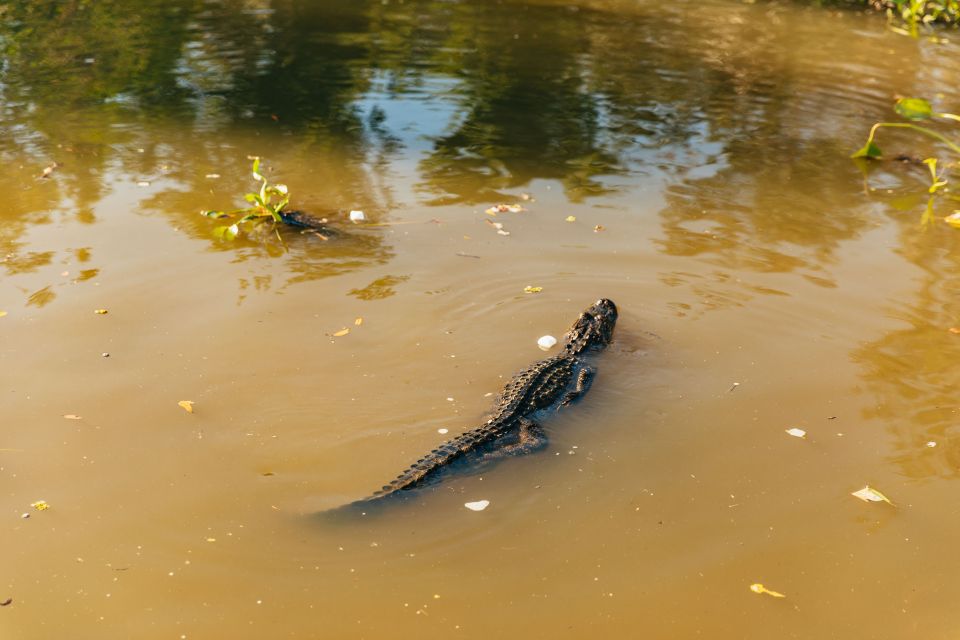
(543, 387)
(309, 223)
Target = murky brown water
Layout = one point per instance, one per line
(763, 283)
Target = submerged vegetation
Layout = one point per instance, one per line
(262, 207)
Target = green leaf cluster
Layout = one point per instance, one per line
(262, 207)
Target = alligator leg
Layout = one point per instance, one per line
(530, 438)
(584, 378)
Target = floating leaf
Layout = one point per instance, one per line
(759, 588)
(869, 150)
(571, 218)
(72, 416)
(187, 405)
(341, 333)
(40, 505)
(529, 289)
(797, 433)
(913, 108)
(100, 312)
(479, 505)
(869, 494)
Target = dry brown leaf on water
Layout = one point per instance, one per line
(341, 333)
(187, 405)
(100, 312)
(72, 416)
(759, 588)
(529, 289)
(869, 494)
(358, 321)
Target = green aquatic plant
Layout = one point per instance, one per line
(914, 13)
(917, 109)
(914, 109)
(262, 207)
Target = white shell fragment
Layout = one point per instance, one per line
(357, 216)
(479, 505)
(797, 433)
(546, 342)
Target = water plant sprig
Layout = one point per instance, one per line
(263, 207)
(914, 109)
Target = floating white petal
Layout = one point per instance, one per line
(546, 342)
(479, 505)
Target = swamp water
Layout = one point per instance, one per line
(701, 150)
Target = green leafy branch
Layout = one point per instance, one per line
(263, 207)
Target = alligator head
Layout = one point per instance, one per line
(593, 329)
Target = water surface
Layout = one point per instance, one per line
(764, 281)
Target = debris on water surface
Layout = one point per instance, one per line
(504, 208)
(357, 216)
(186, 405)
(143, 183)
(734, 386)
(212, 176)
(104, 355)
(869, 494)
(100, 312)
(479, 505)
(48, 170)
(358, 321)
(529, 289)
(498, 226)
(341, 333)
(443, 431)
(571, 218)
(931, 444)
(72, 416)
(759, 588)
(546, 342)
(953, 219)
(40, 505)
(954, 329)
(2, 313)
(599, 228)
(797, 433)
(6, 602)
